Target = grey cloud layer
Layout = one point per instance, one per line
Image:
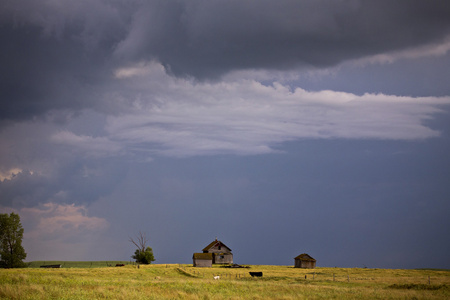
(179, 117)
(209, 38)
(55, 54)
(61, 55)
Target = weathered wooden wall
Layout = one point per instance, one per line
(225, 258)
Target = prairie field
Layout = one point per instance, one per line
(174, 281)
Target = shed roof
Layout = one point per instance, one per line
(214, 243)
(304, 256)
(205, 256)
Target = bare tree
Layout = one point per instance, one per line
(143, 253)
(140, 241)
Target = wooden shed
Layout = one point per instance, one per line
(202, 259)
(305, 261)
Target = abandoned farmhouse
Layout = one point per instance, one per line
(217, 252)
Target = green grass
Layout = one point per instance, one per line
(186, 282)
(78, 264)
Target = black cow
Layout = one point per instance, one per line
(256, 274)
(51, 266)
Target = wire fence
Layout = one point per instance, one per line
(294, 274)
(216, 273)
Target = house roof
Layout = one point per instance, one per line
(304, 256)
(214, 243)
(205, 256)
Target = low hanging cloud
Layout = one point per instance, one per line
(178, 117)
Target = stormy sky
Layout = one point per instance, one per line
(279, 127)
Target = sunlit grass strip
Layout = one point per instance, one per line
(187, 282)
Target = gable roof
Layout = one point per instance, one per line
(206, 256)
(214, 243)
(304, 256)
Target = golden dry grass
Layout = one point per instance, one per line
(187, 282)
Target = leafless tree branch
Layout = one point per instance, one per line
(140, 241)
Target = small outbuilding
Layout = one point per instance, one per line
(305, 261)
(202, 260)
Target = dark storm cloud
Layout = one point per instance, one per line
(39, 74)
(72, 182)
(209, 38)
(62, 55)
(54, 55)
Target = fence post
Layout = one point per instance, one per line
(429, 280)
(333, 276)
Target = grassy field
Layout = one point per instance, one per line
(187, 282)
(77, 264)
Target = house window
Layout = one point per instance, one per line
(220, 247)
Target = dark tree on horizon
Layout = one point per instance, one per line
(143, 253)
(12, 253)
